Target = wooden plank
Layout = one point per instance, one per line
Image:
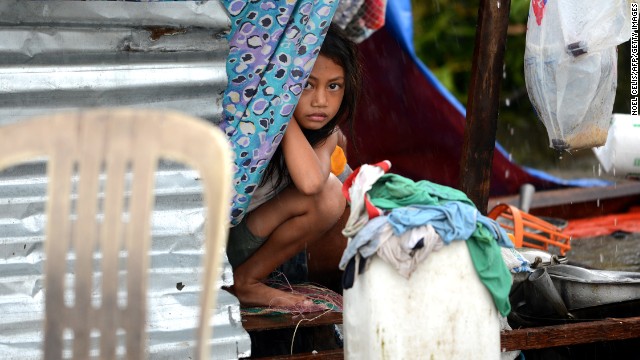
(575, 195)
(518, 339)
(336, 354)
(571, 334)
(612, 329)
(282, 321)
(483, 101)
(575, 203)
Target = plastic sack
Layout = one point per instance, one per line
(620, 155)
(360, 18)
(571, 67)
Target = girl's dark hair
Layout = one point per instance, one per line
(344, 52)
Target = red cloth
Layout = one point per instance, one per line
(372, 211)
(604, 225)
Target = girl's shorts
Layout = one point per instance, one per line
(242, 244)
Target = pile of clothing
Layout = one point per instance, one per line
(403, 221)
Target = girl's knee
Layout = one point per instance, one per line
(330, 202)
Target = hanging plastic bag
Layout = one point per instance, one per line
(571, 67)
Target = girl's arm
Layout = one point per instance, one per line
(309, 167)
(342, 141)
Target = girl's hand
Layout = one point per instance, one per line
(309, 167)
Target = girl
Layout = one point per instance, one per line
(298, 199)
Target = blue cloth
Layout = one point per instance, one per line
(366, 242)
(515, 262)
(452, 221)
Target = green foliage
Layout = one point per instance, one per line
(444, 33)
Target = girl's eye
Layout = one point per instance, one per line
(335, 86)
(307, 86)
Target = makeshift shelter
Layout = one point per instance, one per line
(405, 116)
(409, 118)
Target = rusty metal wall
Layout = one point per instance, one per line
(58, 55)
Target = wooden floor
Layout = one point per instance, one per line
(579, 203)
(571, 334)
(518, 339)
(283, 321)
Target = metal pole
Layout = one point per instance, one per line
(483, 101)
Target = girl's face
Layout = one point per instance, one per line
(322, 95)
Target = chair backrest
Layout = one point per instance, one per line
(123, 147)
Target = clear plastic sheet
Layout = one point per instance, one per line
(571, 67)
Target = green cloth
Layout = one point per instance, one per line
(392, 191)
(487, 259)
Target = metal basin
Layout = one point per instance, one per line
(560, 294)
(581, 288)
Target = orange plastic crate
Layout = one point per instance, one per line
(529, 230)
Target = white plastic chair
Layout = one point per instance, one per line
(116, 142)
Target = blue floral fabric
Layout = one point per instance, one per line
(273, 45)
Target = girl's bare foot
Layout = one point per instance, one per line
(259, 294)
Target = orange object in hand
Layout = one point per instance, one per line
(338, 161)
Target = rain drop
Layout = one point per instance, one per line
(506, 174)
(511, 131)
(598, 203)
(498, 4)
(507, 102)
(510, 157)
(599, 170)
(601, 258)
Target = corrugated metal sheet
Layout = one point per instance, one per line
(62, 55)
(59, 55)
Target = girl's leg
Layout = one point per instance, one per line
(323, 257)
(291, 220)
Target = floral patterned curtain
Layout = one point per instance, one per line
(273, 45)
